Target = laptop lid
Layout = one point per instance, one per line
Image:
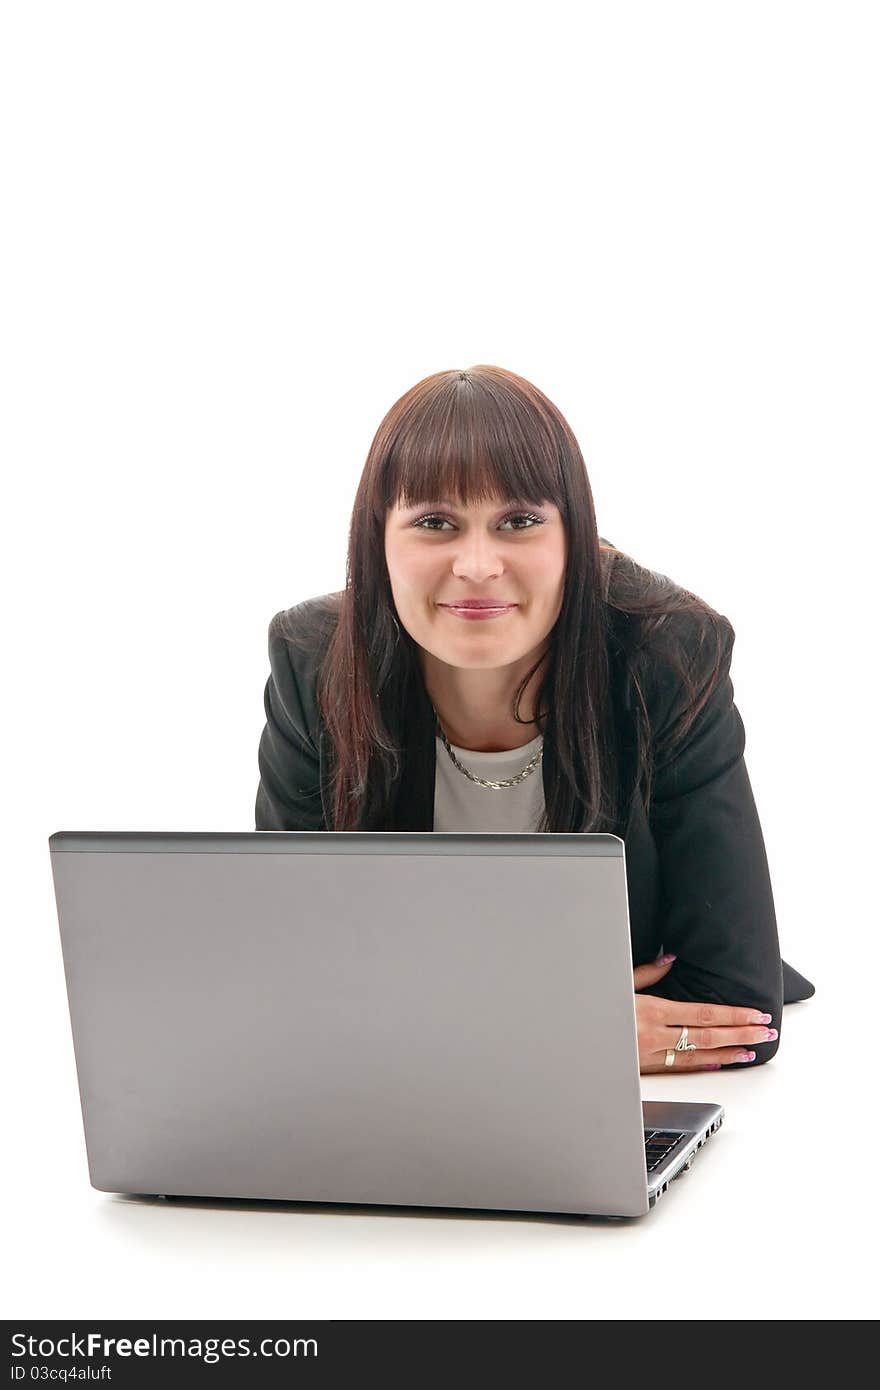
(438, 1018)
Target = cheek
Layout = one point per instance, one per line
(417, 566)
(548, 566)
(412, 573)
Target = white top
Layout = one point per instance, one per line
(460, 804)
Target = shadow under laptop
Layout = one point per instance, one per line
(340, 1209)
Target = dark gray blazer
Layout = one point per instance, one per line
(697, 873)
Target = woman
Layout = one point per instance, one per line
(591, 695)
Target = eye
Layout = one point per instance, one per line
(514, 516)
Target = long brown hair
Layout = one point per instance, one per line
(471, 435)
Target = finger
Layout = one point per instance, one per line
(708, 1038)
(649, 974)
(700, 1059)
(709, 1015)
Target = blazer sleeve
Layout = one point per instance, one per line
(289, 792)
(717, 909)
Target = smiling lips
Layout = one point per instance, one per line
(478, 608)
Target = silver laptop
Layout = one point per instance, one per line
(437, 1019)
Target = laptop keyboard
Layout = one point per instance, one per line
(659, 1143)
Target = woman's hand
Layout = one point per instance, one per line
(722, 1033)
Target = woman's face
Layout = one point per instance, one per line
(507, 553)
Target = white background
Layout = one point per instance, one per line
(233, 235)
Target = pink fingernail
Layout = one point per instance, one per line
(664, 960)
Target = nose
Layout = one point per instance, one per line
(477, 557)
